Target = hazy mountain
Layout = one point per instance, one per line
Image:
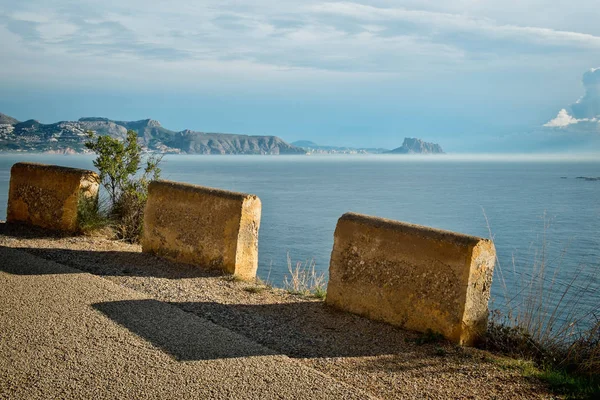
(312, 147)
(305, 143)
(70, 136)
(417, 146)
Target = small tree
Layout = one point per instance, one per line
(118, 164)
(117, 161)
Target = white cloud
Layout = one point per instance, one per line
(562, 119)
(585, 112)
(460, 23)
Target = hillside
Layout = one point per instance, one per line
(70, 136)
(6, 120)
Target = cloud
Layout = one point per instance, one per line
(311, 34)
(462, 23)
(562, 119)
(585, 112)
(350, 40)
(588, 106)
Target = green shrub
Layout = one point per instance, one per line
(119, 164)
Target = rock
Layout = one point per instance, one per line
(49, 196)
(417, 146)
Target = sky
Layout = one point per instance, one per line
(474, 76)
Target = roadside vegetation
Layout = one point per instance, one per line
(125, 175)
(547, 326)
(304, 280)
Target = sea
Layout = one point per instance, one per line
(542, 218)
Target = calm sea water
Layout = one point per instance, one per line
(303, 197)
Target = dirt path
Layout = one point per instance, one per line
(376, 358)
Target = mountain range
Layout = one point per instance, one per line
(70, 137)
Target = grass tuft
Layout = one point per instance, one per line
(304, 280)
(559, 381)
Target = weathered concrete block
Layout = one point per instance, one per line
(49, 196)
(211, 228)
(412, 276)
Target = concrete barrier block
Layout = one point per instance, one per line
(49, 196)
(412, 276)
(211, 228)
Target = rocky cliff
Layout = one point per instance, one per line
(70, 136)
(417, 146)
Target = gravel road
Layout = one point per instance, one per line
(127, 322)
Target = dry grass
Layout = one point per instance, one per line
(303, 279)
(546, 319)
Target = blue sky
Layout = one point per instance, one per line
(471, 75)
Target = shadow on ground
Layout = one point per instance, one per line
(297, 330)
(103, 263)
(173, 331)
(115, 263)
(307, 329)
(24, 231)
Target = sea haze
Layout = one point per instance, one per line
(303, 197)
